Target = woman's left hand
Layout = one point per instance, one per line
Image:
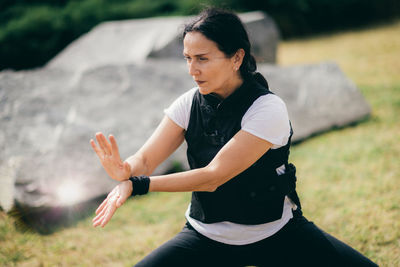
(108, 154)
(114, 200)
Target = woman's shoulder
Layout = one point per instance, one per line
(187, 97)
(268, 119)
(179, 110)
(268, 103)
(191, 91)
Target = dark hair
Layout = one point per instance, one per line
(226, 29)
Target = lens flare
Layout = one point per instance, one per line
(69, 193)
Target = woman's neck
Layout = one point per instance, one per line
(231, 87)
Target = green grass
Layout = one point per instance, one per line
(349, 179)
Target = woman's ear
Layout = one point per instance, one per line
(238, 57)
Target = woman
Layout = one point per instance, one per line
(244, 208)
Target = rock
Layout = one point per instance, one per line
(8, 169)
(50, 115)
(319, 97)
(133, 41)
(263, 34)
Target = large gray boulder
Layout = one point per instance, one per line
(47, 117)
(134, 41)
(319, 97)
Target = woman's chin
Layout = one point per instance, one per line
(204, 90)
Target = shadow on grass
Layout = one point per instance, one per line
(46, 221)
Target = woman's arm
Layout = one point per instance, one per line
(165, 140)
(237, 155)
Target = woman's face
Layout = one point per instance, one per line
(210, 68)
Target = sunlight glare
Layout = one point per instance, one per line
(69, 193)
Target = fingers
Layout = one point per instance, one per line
(113, 192)
(99, 218)
(114, 200)
(109, 213)
(106, 213)
(101, 207)
(95, 148)
(114, 146)
(105, 146)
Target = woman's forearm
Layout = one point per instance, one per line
(163, 142)
(202, 179)
(138, 165)
(236, 156)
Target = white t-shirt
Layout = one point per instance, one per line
(266, 118)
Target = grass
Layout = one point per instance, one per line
(349, 179)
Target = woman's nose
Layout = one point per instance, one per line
(193, 69)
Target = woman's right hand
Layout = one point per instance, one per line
(114, 200)
(109, 157)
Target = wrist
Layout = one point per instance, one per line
(128, 164)
(140, 185)
(137, 165)
(128, 186)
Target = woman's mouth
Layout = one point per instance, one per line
(200, 82)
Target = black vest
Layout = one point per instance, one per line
(257, 194)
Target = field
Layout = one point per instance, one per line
(349, 179)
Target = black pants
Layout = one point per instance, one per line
(298, 243)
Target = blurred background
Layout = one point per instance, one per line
(25, 24)
(349, 178)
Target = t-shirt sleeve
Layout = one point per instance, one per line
(267, 118)
(179, 110)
